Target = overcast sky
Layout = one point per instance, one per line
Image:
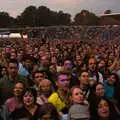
(15, 7)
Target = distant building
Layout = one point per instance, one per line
(110, 19)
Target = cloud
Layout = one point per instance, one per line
(70, 6)
(64, 2)
(22, 1)
(12, 12)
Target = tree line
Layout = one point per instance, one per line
(43, 16)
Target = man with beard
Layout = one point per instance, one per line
(8, 82)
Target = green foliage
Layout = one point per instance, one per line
(43, 16)
(27, 18)
(5, 20)
(86, 18)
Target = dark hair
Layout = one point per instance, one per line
(38, 71)
(116, 77)
(28, 57)
(94, 108)
(82, 72)
(61, 73)
(32, 91)
(49, 108)
(90, 59)
(13, 61)
(21, 83)
(93, 89)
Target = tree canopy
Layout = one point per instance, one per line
(43, 16)
(86, 18)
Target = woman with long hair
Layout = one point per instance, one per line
(30, 109)
(79, 109)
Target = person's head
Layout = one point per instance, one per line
(109, 62)
(38, 76)
(98, 89)
(103, 108)
(44, 60)
(29, 51)
(13, 67)
(92, 64)
(68, 63)
(101, 63)
(83, 77)
(100, 109)
(53, 68)
(83, 66)
(111, 56)
(28, 62)
(78, 60)
(112, 79)
(13, 50)
(76, 95)
(18, 89)
(4, 71)
(62, 81)
(7, 49)
(29, 97)
(13, 55)
(20, 55)
(45, 87)
(48, 112)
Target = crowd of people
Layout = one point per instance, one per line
(76, 32)
(60, 79)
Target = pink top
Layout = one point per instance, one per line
(12, 104)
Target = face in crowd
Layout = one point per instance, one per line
(38, 77)
(111, 79)
(13, 69)
(103, 109)
(99, 90)
(18, 89)
(92, 64)
(101, 64)
(84, 76)
(77, 95)
(78, 60)
(68, 64)
(63, 82)
(29, 97)
(45, 87)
